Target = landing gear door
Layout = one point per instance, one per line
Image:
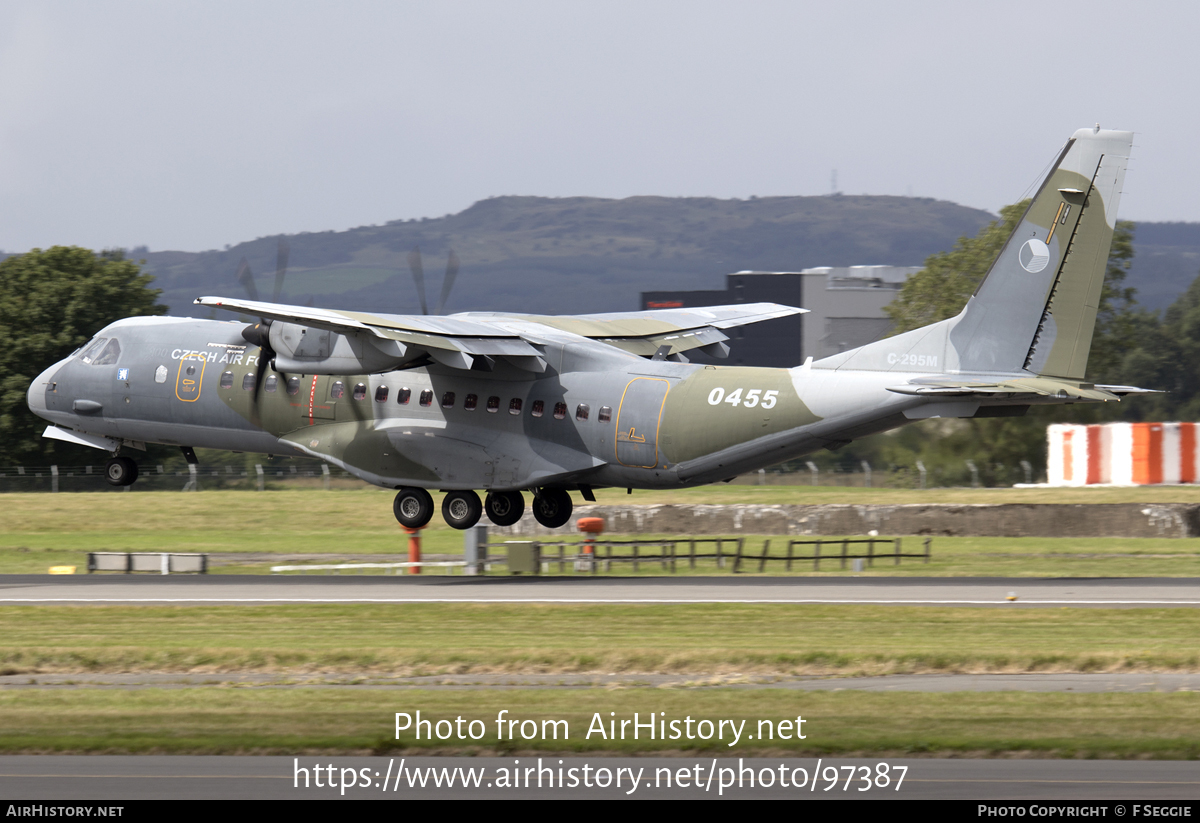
(638, 419)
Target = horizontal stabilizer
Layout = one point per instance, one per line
(1031, 387)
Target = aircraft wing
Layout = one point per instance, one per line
(1016, 388)
(453, 339)
(645, 332)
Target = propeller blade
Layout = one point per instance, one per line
(259, 335)
(246, 278)
(448, 280)
(281, 263)
(418, 273)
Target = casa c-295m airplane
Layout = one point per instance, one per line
(509, 403)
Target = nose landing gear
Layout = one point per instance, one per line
(120, 471)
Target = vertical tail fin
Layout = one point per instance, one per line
(1035, 311)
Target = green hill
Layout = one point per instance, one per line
(577, 254)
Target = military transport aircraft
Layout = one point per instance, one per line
(508, 403)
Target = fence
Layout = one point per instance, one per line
(321, 475)
(592, 557)
(186, 478)
(588, 557)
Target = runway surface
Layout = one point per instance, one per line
(60, 777)
(1020, 592)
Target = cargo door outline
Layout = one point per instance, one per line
(318, 405)
(638, 419)
(188, 385)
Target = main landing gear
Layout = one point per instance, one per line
(120, 471)
(413, 508)
(462, 509)
(552, 508)
(504, 508)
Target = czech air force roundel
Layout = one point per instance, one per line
(1034, 255)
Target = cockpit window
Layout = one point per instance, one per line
(110, 354)
(92, 349)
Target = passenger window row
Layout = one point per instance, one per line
(337, 391)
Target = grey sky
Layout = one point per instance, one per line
(192, 125)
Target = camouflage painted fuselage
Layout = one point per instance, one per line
(506, 402)
(647, 423)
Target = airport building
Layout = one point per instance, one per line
(845, 311)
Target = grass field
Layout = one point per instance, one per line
(433, 638)
(247, 532)
(349, 720)
(369, 642)
(360, 641)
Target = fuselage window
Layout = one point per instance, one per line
(581, 411)
(471, 401)
(360, 391)
(272, 383)
(605, 414)
(293, 385)
(539, 408)
(91, 349)
(248, 381)
(514, 406)
(110, 354)
(403, 396)
(226, 380)
(426, 397)
(493, 404)
(381, 394)
(560, 411)
(338, 390)
(448, 400)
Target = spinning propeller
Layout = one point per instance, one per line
(418, 273)
(259, 334)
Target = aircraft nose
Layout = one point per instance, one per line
(36, 396)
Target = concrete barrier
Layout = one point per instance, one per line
(155, 562)
(932, 519)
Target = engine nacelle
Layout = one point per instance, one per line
(308, 350)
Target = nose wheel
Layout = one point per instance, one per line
(413, 508)
(552, 508)
(461, 509)
(120, 471)
(504, 508)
